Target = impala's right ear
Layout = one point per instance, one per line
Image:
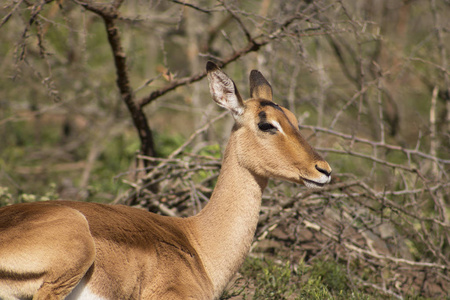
(259, 86)
(224, 91)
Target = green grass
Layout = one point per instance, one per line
(263, 278)
(269, 279)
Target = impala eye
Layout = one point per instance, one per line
(267, 127)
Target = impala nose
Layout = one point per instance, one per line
(324, 169)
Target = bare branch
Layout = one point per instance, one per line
(8, 15)
(192, 6)
(377, 144)
(109, 14)
(239, 21)
(251, 47)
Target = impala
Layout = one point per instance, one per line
(78, 250)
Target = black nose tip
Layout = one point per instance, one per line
(323, 171)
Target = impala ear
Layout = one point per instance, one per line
(259, 86)
(223, 90)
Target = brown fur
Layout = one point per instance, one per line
(119, 252)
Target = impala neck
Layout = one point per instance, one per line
(226, 226)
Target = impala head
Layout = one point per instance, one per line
(267, 138)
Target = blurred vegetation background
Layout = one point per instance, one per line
(106, 101)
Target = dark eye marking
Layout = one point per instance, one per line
(262, 116)
(270, 103)
(267, 127)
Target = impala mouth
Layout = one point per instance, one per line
(316, 184)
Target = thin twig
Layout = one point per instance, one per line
(208, 11)
(414, 151)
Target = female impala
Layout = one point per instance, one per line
(78, 250)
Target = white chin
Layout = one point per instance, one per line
(317, 183)
(312, 185)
